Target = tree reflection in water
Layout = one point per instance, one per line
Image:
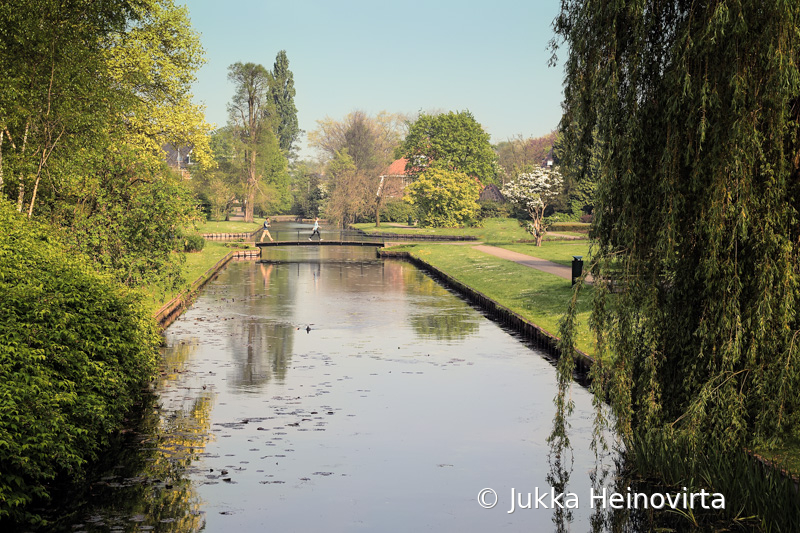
(146, 486)
(439, 318)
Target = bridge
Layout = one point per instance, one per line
(270, 244)
(315, 243)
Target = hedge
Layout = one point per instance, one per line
(75, 350)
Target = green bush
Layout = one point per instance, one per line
(193, 242)
(579, 227)
(398, 211)
(75, 348)
(562, 218)
(395, 210)
(444, 198)
(494, 209)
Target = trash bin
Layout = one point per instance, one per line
(410, 221)
(577, 267)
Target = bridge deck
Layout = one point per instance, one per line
(319, 243)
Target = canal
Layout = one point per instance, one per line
(330, 390)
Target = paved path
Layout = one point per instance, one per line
(529, 261)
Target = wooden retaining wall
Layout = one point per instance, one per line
(170, 311)
(230, 236)
(537, 336)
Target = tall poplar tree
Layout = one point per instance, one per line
(695, 108)
(281, 93)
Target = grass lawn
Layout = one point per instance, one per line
(787, 456)
(197, 263)
(539, 297)
(213, 226)
(493, 230)
(557, 251)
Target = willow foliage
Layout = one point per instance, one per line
(695, 107)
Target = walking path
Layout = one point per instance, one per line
(529, 261)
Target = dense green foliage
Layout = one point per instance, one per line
(348, 190)
(75, 348)
(444, 198)
(308, 189)
(131, 223)
(394, 210)
(91, 93)
(450, 141)
(693, 110)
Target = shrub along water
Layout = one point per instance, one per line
(75, 348)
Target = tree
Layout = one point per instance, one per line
(273, 191)
(216, 187)
(308, 189)
(281, 92)
(96, 83)
(694, 108)
(348, 190)
(249, 118)
(451, 141)
(519, 155)
(370, 141)
(155, 61)
(534, 192)
(55, 92)
(444, 198)
(92, 92)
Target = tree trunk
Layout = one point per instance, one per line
(2, 135)
(21, 195)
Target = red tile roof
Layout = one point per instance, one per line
(398, 168)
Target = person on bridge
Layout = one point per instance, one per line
(315, 231)
(266, 231)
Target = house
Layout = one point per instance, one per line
(491, 193)
(549, 160)
(178, 159)
(394, 180)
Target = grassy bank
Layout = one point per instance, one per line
(214, 226)
(197, 264)
(493, 230)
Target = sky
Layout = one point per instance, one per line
(490, 58)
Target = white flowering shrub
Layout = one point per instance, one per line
(533, 192)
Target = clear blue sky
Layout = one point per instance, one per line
(398, 56)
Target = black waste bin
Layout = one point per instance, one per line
(577, 267)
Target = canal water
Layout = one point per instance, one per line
(328, 390)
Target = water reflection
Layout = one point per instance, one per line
(147, 485)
